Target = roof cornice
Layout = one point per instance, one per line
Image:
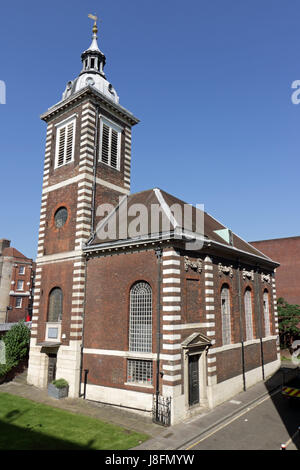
(98, 97)
(146, 242)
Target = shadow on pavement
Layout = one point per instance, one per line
(288, 409)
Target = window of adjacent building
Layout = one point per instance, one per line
(65, 140)
(21, 269)
(266, 313)
(55, 305)
(110, 144)
(139, 372)
(225, 313)
(248, 314)
(18, 302)
(140, 320)
(60, 217)
(20, 285)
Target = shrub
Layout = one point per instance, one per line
(16, 346)
(60, 383)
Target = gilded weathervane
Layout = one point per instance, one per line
(95, 18)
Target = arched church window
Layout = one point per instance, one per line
(140, 320)
(225, 313)
(248, 314)
(55, 305)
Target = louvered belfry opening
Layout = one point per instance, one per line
(105, 144)
(110, 146)
(65, 143)
(140, 324)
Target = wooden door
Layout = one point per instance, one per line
(194, 394)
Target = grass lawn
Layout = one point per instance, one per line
(28, 425)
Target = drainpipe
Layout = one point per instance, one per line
(258, 304)
(241, 324)
(94, 172)
(158, 253)
(82, 340)
(87, 256)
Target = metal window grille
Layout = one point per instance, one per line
(55, 305)
(248, 314)
(140, 324)
(267, 313)
(139, 371)
(226, 320)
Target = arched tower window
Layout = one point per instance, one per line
(55, 305)
(225, 312)
(140, 321)
(266, 313)
(248, 314)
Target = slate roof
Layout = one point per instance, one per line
(168, 219)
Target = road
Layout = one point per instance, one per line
(265, 425)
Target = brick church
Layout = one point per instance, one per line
(134, 305)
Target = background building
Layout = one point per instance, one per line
(16, 284)
(285, 251)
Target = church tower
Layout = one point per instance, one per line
(87, 163)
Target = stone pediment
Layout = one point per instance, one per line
(196, 340)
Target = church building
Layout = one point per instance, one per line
(141, 300)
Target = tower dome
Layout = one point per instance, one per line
(92, 73)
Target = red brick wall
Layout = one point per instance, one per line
(285, 251)
(56, 275)
(109, 280)
(229, 362)
(61, 239)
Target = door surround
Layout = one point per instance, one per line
(196, 344)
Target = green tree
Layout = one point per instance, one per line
(16, 342)
(289, 321)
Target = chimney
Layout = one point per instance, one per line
(4, 243)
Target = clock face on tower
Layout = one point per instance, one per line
(90, 81)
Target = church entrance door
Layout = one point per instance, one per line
(194, 392)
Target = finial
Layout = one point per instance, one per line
(95, 18)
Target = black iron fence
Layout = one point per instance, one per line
(161, 410)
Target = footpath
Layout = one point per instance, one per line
(162, 438)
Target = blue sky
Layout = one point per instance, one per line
(210, 81)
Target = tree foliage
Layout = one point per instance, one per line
(16, 342)
(289, 322)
